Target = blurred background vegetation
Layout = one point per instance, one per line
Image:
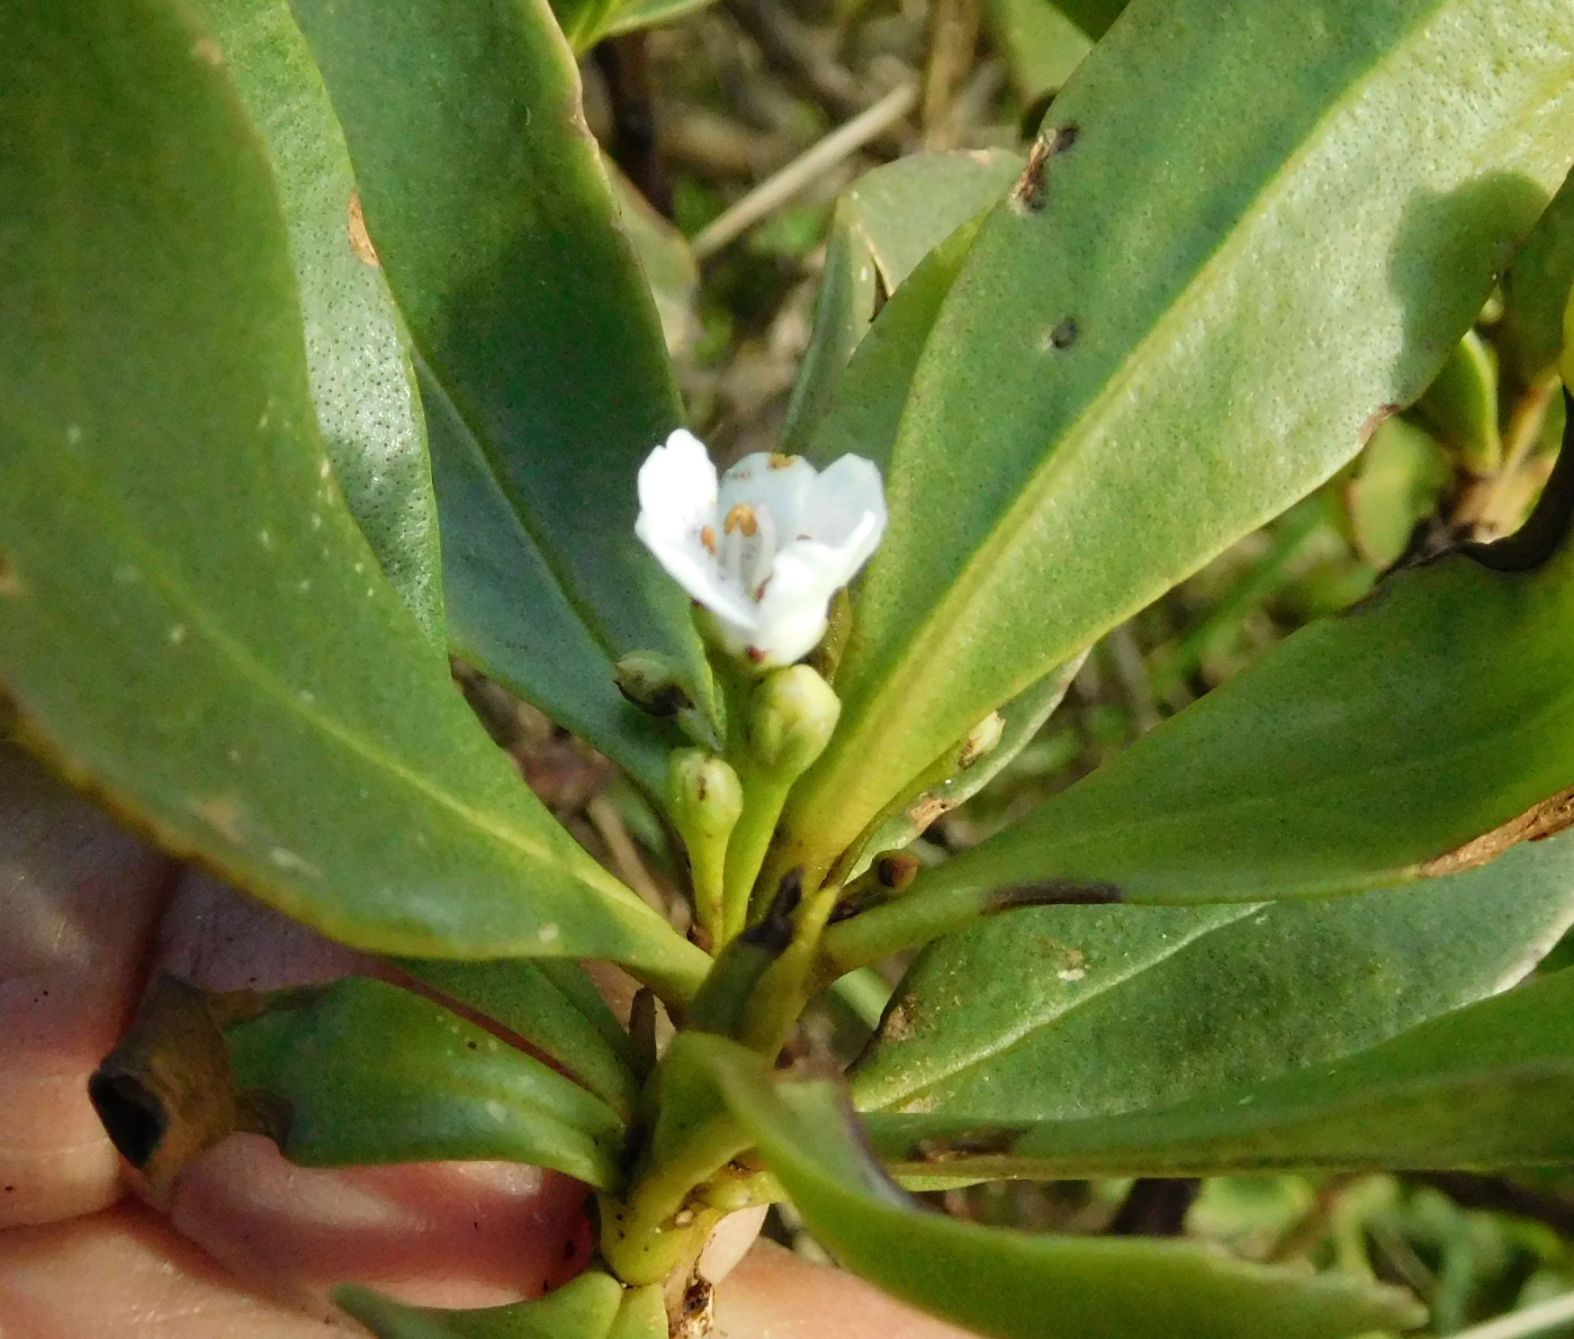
(735, 128)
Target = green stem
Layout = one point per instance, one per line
(763, 800)
(864, 993)
(707, 869)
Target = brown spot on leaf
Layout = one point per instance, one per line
(208, 51)
(10, 578)
(1064, 335)
(926, 810)
(1540, 821)
(899, 1024)
(223, 814)
(1030, 193)
(360, 239)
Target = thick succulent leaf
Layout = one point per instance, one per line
(593, 1306)
(369, 1073)
(361, 379)
(1094, 17)
(1487, 1088)
(1041, 44)
(1423, 730)
(666, 258)
(541, 357)
(1462, 404)
(631, 15)
(551, 1005)
(1398, 482)
(1020, 720)
(862, 405)
(191, 622)
(355, 1073)
(1199, 298)
(1015, 1284)
(1065, 1012)
(582, 21)
(1536, 292)
(885, 224)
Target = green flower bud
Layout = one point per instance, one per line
(791, 720)
(705, 798)
(652, 682)
(703, 795)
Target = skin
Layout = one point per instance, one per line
(248, 1245)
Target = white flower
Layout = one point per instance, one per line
(766, 549)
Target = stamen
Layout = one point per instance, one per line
(732, 555)
(779, 461)
(741, 517)
(764, 552)
(708, 539)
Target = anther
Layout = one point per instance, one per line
(708, 539)
(741, 517)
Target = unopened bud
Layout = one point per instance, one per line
(791, 720)
(982, 739)
(651, 681)
(705, 798)
(703, 795)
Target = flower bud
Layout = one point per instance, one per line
(651, 681)
(791, 719)
(704, 796)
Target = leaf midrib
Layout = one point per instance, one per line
(927, 644)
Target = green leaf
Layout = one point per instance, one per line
(1021, 719)
(593, 1306)
(1454, 670)
(541, 357)
(1066, 1012)
(368, 1073)
(1041, 44)
(191, 622)
(1094, 17)
(885, 224)
(1398, 482)
(1191, 312)
(551, 1005)
(1009, 1283)
(666, 258)
(1461, 403)
(1536, 291)
(1487, 1088)
(631, 15)
(361, 379)
(861, 407)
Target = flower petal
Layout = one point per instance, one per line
(691, 565)
(845, 493)
(781, 485)
(792, 616)
(677, 487)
